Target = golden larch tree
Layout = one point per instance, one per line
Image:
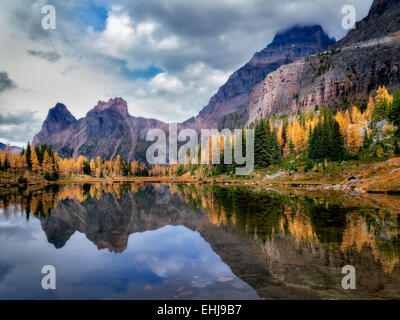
(35, 161)
(47, 164)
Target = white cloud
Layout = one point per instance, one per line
(122, 37)
(119, 32)
(170, 43)
(164, 82)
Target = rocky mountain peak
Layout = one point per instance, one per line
(225, 108)
(302, 35)
(59, 118)
(59, 110)
(116, 104)
(382, 20)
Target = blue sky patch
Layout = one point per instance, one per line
(92, 14)
(148, 73)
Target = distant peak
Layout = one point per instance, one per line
(313, 34)
(58, 119)
(116, 104)
(60, 112)
(59, 107)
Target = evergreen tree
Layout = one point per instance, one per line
(28, 153)
(266, 146)
(126, 168)
(180, 170)
(284, 134)
(260, 142)
(337, 150)
(325, 140)
(274, 149)
(396, 148)
(395, 111)
(366, 140)
(383, 105)
(291, 147)
(86, 167)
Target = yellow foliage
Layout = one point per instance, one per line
(47, 164)
(35, 161)
(353, 139)
(382, 94)
(379, 152)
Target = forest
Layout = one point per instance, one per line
(365, 132)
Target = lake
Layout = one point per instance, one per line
(154, 241)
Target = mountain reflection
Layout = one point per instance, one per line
(283, 245)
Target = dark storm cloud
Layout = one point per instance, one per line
(5, 269)
(201, 19)
(19, 126)
(188, 18)
(28, 18)
(17, 118)
(5, 82)
(225, 33)
(20, 134)
(51, 56)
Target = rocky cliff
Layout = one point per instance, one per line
(352, 69)
(227, 106)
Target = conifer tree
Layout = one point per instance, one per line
(28, 154)
(366, 140)
(47, 164)
(396, 148)
(118, 166)
(35, 161)
(382, 107)
(395, 111)
(266, 146)
(325, 140)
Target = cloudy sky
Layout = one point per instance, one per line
(165, 57)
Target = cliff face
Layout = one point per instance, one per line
(106, 131)
(287, 46)
(352, 68)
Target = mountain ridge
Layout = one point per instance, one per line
(108, 129)
(287, 46)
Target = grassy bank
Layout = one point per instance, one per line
(351, 176)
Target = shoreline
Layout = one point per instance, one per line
(352, 178)
(273, 183)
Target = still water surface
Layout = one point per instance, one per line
(129, 241)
